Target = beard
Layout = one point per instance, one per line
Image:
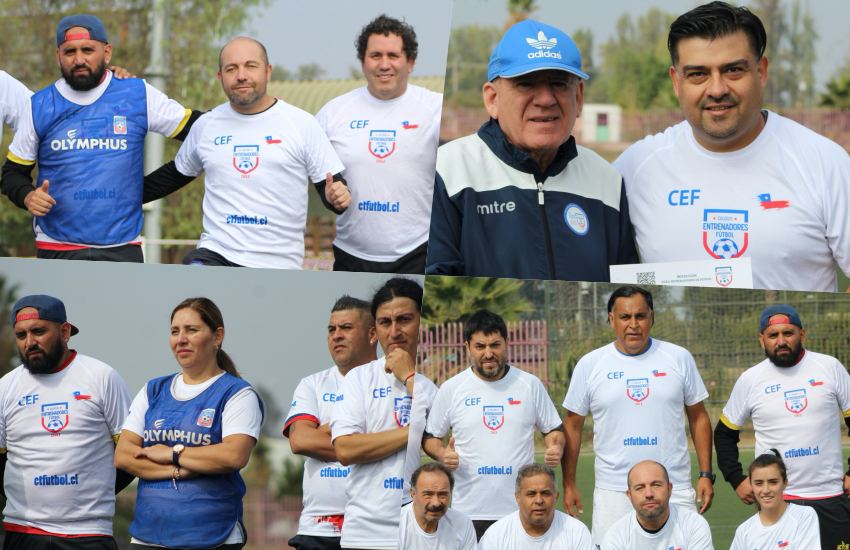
(652, 515)
(788, 360)
(492, 375)
(84, 81)
(47, 362)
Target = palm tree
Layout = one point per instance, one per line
(451, 299)
(519, 10)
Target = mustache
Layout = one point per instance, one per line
(722, 100)
(435, 509)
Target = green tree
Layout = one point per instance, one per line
(837, 93)
(635, 62)
(309, 71)
(280, 74)
(451, 299)
(466, 64)
(519, 10)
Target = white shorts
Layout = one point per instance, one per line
(610, 506)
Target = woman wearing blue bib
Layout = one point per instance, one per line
(186, 438)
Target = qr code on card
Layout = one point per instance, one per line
(646, 277)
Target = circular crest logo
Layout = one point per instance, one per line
(576, 219)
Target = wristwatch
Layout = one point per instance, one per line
(710, 475)
(175, 454)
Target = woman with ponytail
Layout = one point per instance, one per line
(778, 524)
(186, 438)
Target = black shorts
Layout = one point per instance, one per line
(205, 256)
(834, 519)
(123, 253)
(310, 542)
(27, 541)
(481, 525)
(413, 262)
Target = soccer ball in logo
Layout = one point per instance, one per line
(725, 248)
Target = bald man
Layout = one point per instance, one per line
(258, 152)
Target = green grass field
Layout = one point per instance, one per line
(726, 513)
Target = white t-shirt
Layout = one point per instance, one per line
(372, 401)
(794, 410)
(493, 424)
(638, 407)
(454, 532)
(165, 116)
(13, 99)
(58, 431)
(684, 530)
(324, 482)
(258, 171)
(797, 529)
(783, 201)
(241, 415)
(389, 148)
(565, 533)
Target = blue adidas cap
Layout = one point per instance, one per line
(91, 23)
(531, 46)
(786, 315)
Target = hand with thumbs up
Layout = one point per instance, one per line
(552, 457)
(39, 202)
(337, 193)
(450, 456)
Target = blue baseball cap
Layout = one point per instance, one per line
(89, 22)
(47, 308)
(788, 313)
(531, 46)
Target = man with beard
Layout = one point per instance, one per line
(377, 423)
(351, 343)
(87, 131)
(792, 398)
(639, 391)
(734, 179)
(536, 523)
(60, 413)
(492, 410)
(656, 524)
(429, 523)
(258, 153)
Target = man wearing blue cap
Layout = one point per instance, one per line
(60, 413)
(556, 210)
(87, 131)
(792, 398)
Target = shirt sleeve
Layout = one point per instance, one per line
(349, 415)
(24, 147)
(836, 203)
(740, 540)
(135, 421)
(165, 115)
(842, 388)
(808, 530)
(444, 256)
(188, 160)
(319, 155)
(438, 419)
(304, 406)
(737, 411)
(468, 540)
(581, 537)
(547, 414)
(116, 402)
(700, 534)
(695, 391)
(577, 399)
(242, 414)
(14, 97)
